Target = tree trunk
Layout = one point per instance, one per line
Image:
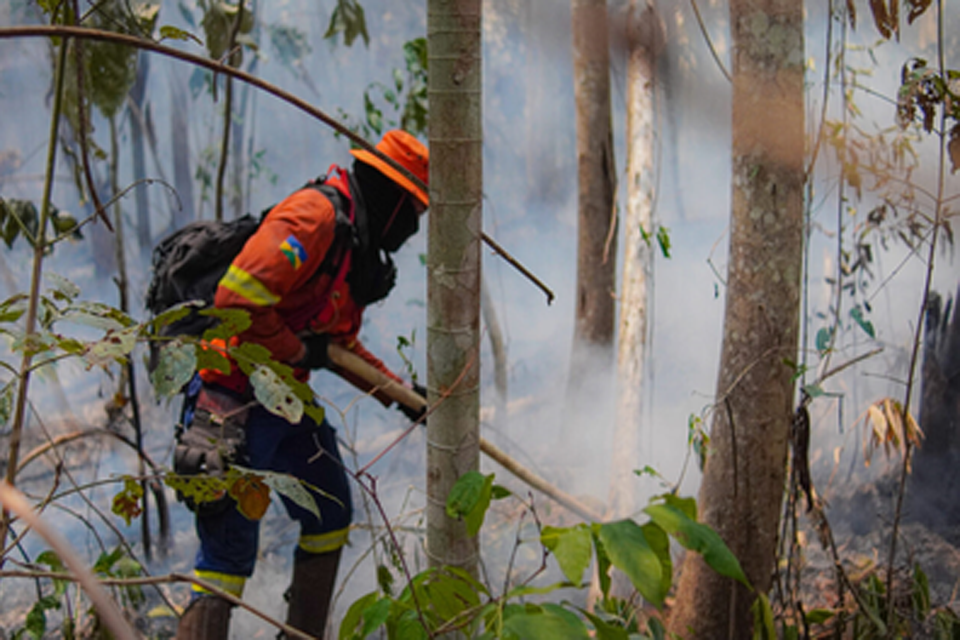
(453, 286)
(596, 176)
(743, 481)
(137, 135)
(180, 149)
(645, 39)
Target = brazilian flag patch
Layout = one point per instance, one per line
(294, 251)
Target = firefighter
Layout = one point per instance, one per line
(316, 261)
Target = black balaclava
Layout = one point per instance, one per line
(390, 211)
(385, 218)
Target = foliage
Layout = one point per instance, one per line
(20, 218)
(348, 19)
(440, 600)
(405, 101)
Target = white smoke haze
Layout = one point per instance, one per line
(530, 208)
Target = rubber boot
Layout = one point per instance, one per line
(310, 592)
(206, 618)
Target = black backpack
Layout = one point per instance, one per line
(188, 264)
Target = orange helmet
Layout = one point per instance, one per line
(409, 153)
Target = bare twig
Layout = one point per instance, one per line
(109, 612)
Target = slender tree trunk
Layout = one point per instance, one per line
(453, 288)
(743, 481)
(645, 39)
(138, 155)
(596, 178)
(180, 143)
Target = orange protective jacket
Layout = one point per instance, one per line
(276, 279)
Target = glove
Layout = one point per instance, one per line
(316, 352)
(415, 415)
(207, 447)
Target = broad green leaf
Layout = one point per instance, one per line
(659, 541)
(275, 396)
(499, 492)
(700, 538)
(289, 486)
(176, 365)
(232, 322)
(211, 359)
(409, 627)
(688, 506)
(354, 616)
(449, 595)
(114, 347)
(543, 626)
(630, 552)
(374, 616)
(571, 546)
(469, 499)
(605, 630)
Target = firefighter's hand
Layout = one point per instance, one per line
(315, 352)
(415, 415)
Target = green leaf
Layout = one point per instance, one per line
(571, 546)
(857, 314)
(663, 239)
(52, 560)
(6, 402)
(348, 18)
(469, 499)
(176, 365)
(374, 616)
(824, 335)
(232, 322)
(763, 628)
(700, 538)
(819, 616)
(604, 630)
(354, 616)
(603, 560)
(168, 32)
(114, 347)
(543, 626)
(630, 552)
(275, 395)
(659, 541)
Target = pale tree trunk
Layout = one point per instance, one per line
(645, 40)
(596, 176)
(743, 481)
(453, 285)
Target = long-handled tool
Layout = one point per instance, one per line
(410, 398)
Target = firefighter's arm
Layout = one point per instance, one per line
(281, 256)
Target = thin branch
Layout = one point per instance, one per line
(918, 332)
(219, 67)
(109, 612)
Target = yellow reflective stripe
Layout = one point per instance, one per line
(324, 542)
(246, 286)
(225, 581)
